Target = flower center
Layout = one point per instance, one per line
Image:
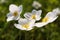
(33, 16)
(15, 13)
(25, 26)
(45, 19)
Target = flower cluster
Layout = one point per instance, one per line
(29, 22)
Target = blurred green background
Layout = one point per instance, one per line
(48, 32)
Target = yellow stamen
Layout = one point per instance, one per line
(45, 19)
(15, 14)
(33, 16)
(25, 26)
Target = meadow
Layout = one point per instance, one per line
(9, 32)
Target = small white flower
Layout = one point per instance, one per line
(36, 4)
(14, 13)
(50, 17)
(35, 15)
(25, 24)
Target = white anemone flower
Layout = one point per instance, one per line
(50, 17)
(36, 4)
(14, 13)
(25, 24)
(35, 15)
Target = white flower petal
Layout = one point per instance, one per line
(10, 18)
(20, 8)
(32, 22)
(38, 17)
(39, 12)
(56, 10)
(27, 15)
(13, 8)
(41, 24)
(19, 26)
(9, 14)
(31, 25)
(52, 19)
(23, 21)
(36, 12)
(50, 14)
